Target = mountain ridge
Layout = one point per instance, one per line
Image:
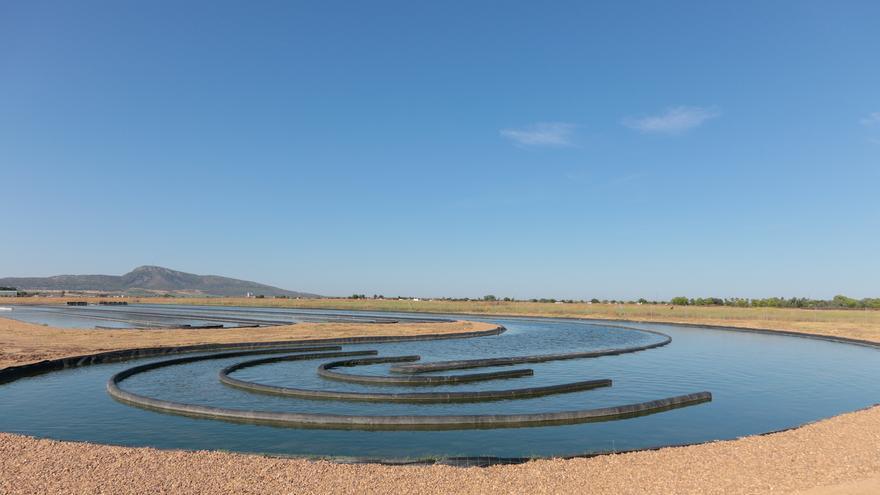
(152, 279)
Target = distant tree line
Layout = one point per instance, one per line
(837, 302)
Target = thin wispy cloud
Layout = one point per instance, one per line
(871, 119)
(675, 120)
(554, 134)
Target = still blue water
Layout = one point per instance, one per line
(759, 383)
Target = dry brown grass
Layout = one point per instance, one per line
(858, 324)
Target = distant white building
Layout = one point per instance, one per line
(8, 293)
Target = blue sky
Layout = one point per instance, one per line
(573, 150)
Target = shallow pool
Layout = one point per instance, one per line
(759, 383)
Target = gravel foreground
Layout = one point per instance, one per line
(837, 456)
(834, 451)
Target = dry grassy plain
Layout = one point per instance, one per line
(832, 457)
(857, 324)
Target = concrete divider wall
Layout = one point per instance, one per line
(405, 422)
(344, 421)
(368, 422)
(429, 397)
(539, 358)
(326, 371)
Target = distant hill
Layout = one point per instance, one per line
(147, 280)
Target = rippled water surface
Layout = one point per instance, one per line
(759, 383)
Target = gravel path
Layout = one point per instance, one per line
(833, 451)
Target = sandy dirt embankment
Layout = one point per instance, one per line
(22, 343)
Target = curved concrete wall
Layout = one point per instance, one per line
(351, 421)
(507, 361)
(429, 397)
(326, 371)
(336, 421)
